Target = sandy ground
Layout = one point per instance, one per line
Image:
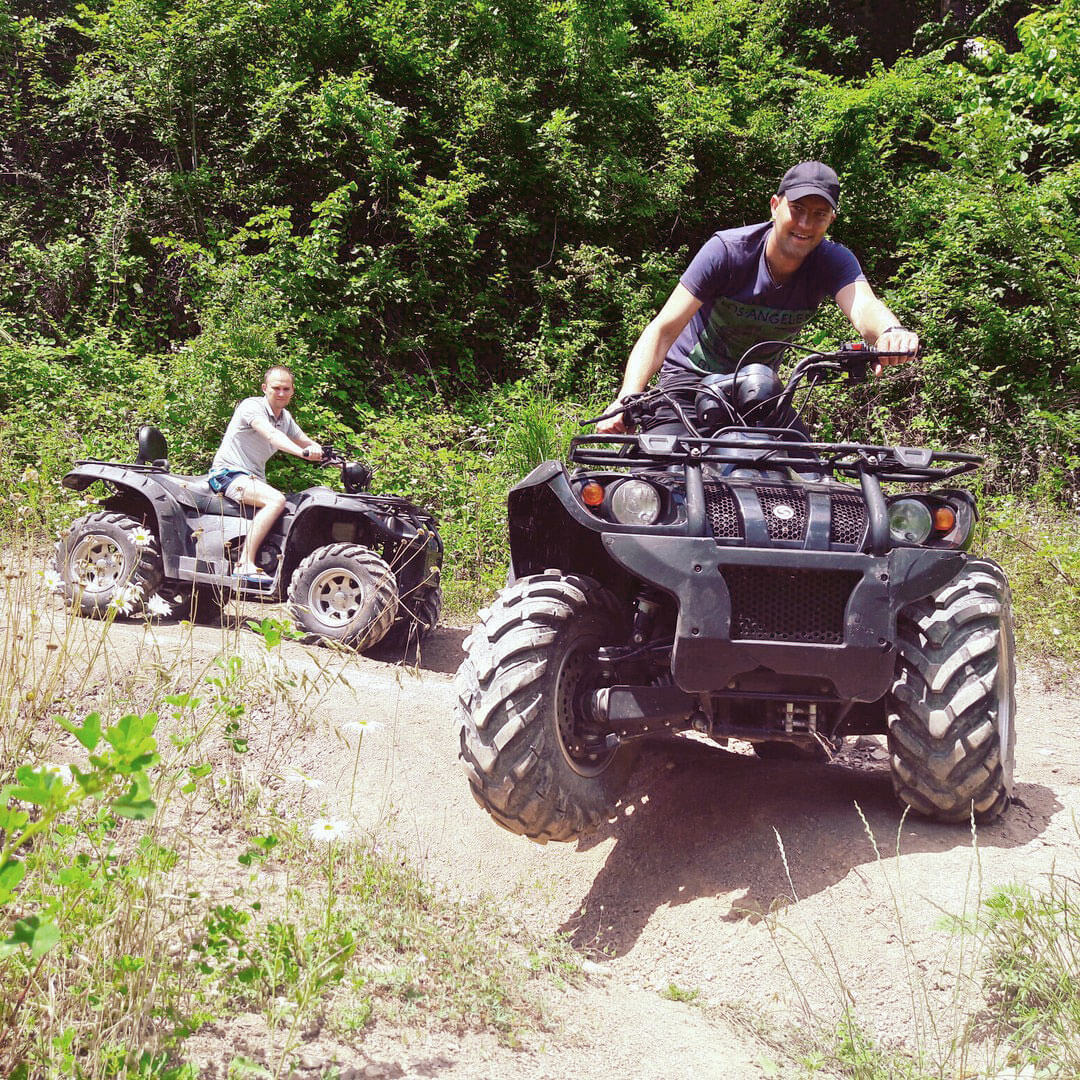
(775, 892)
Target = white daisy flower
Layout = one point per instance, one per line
(142, 536)
(327, 830)
(51, 579)
(158, 606)
(295, 776)
(125, 599)
(357, 727)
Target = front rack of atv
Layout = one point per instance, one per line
(771, 448)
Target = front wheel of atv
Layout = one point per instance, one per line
(523, 690)
(951, 723)
(344, 593)
(108, 559)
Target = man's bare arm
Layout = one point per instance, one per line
(279, 441)
(878, 326)
(648, 354)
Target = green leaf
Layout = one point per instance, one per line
(132, 739)
(11, 819)
(11, 873)
(136, 803)
(37, 786)
(36, 934)
(90, 732)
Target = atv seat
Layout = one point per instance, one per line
(194, 491)
(153, 449)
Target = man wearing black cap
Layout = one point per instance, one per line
(760, 283)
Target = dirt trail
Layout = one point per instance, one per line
(672, 892)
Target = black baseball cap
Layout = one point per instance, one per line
(811, 178)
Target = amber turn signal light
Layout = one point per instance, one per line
(944, 519)
(592, 494)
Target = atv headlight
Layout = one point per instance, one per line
(910, 521)
(635, 502)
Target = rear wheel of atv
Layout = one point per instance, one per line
(523, 689)
(344, 593)
(951, 723)
(108, 558)
(418, 614)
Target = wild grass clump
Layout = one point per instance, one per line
(1038, 546)
(155, 877)
(999, 998)
(1032, 974)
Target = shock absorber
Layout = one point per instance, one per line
(646, 605)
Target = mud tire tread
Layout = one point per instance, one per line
(509, 743)
(363, 632)
(955, 677)
(417, 615)
(145, 571)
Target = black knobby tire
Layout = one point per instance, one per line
(529, 665)
(103, 555)
(417, 615)
(344, 593)
(952, 706)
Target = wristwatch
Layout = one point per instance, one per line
(303, 452)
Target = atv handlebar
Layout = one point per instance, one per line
(355, 475)
(815, 366)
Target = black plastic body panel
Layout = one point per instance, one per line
(706, 657)
(550, 528)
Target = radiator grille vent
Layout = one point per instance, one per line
(722, 512)
(801, 606)
(848, 519)
(784, 509)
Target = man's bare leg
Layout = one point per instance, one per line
(269, 503)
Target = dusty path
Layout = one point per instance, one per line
(673, 892)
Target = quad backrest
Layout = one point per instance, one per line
(153, 449)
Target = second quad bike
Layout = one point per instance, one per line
(355, 568)
(739, 581)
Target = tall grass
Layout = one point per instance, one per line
(153, 880)
(999, 998)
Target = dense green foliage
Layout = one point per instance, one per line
(440, 210)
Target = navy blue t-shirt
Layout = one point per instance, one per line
(741, 305)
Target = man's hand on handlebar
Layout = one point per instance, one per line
(896, 340)
(615, 424)
(312, 452)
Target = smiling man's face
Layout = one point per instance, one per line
(799, 226)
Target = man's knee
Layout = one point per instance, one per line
(275, 502)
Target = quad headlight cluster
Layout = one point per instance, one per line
(910, 521)
(941, 519)
(628, 501)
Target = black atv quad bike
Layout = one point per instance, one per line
(739, 582)
(355, 568)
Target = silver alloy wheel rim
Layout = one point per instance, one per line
(97, 563)
(335, 596)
